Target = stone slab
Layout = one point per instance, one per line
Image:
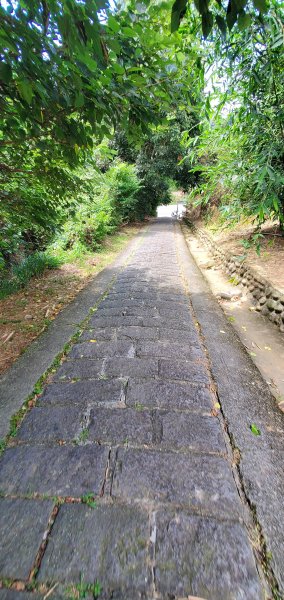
(187, 431)
(176, 312)
(128, 310)
(131, 367)
(185, 370)
(204, 483)
(98, 334)
(138, 333)
(22, 526)
(106, 322)
(162, 321)
(173, 297)
(134, 296)
(262, 474)
(169, 349)
(120, 426)
(79, 369)
(83, 392)
(187, 336)
(108, 543)
(126, 302)
(168, 394)
(51, 424)
(57, 471)
(102, 349)
(203, 557)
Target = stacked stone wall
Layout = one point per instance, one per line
(268, 300)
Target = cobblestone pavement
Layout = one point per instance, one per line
(122, 473)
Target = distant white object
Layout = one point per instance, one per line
(171, 211)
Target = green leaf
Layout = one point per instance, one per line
(207, 23)
(178, 11)
(232, 14)
(118, 69)
(128, 32)
(25, 90)
(221, 24)
(5, 72)
(79, 100)
(254, 429)
(244, 21)
(239, 5)
(114, 46)
(137, 79)
(201, 6)
(113, 24)
(88, 61)
(260, 5)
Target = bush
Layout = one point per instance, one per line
(111, 199)
(123, 191)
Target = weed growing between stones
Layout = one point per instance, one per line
(89, 499)
(83, 436)
(138, 406)
(81, 590)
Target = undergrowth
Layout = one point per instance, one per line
(32, 266)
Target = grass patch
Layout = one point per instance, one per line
(32, 266)
(83, 590)
(91, 262)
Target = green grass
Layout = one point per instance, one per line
(84, 258)
(83, 590)
(32, 266)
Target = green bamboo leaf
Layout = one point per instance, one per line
(244, 21)
(260, 5)
(207, 23)
(178, 11)
(5, 72)
(221, 24)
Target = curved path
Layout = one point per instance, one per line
(126, 472)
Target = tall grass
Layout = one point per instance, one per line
(32, 266)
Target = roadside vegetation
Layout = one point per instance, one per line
(103, 110)
(238, 154)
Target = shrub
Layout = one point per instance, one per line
(124, 187)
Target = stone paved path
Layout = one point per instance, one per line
(129, 417)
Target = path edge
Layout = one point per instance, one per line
(18, 382)
(260, 469)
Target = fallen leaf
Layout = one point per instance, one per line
(244, 328)
(252, 353)
(267, 348)
(215, 410)
(254, 429)
(221, 331)
(93, 341)
(19, 586)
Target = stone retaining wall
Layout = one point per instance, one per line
(267, 299)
